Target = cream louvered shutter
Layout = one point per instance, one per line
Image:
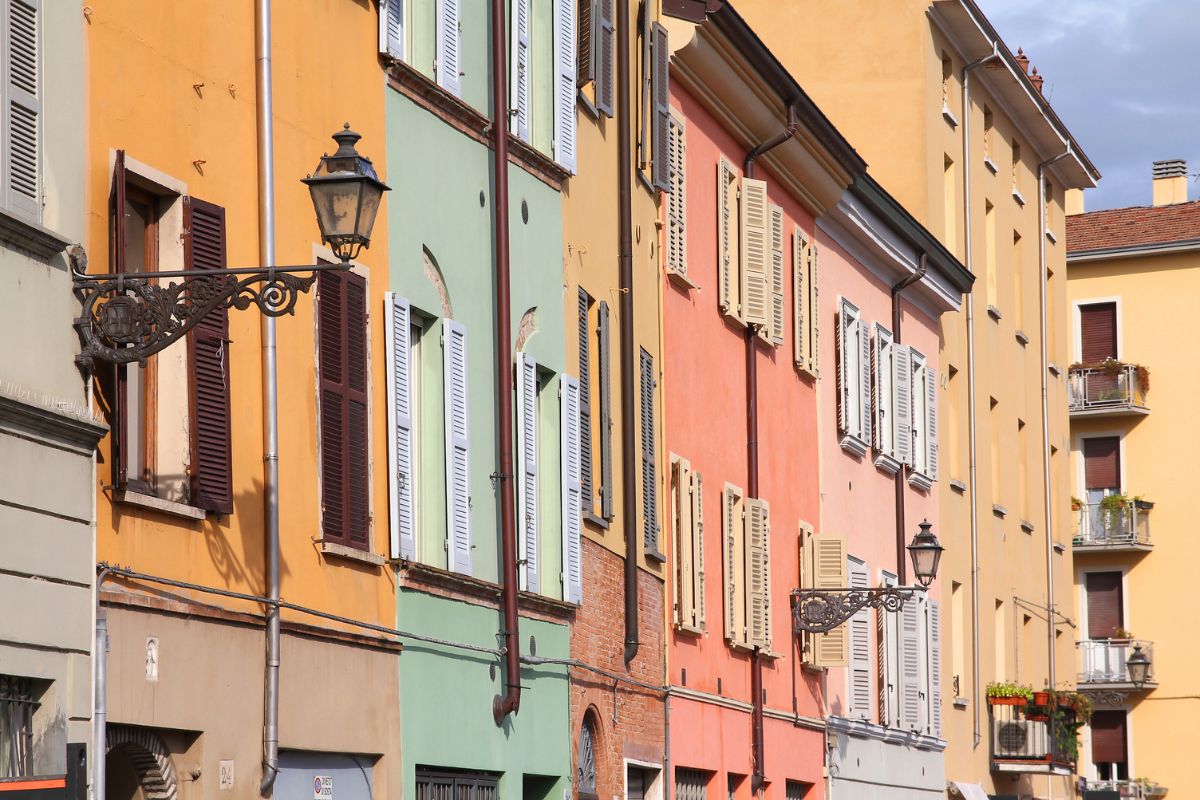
(735, 589)
(728, 277)
(565, 91)
(519, 78)
(902, 391)
(814, 316)
(859, 673)
(698, 548)
(931, 424)
(830, 572)
(22, 112)
(391, 28)
(448, 48)
(777, 276)
(758, 574)
(754, 235)
(935, 669)
(527, 466)
(458, 462)
(677, 201)
(799, 299)
(401, 497)
(681, 529)
(571, 456)
(911, 698)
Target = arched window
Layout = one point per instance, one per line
(585, 777)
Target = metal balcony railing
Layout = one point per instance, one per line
(1136, 790)
(1126, 526)
(1103, 660)
(1101, 390)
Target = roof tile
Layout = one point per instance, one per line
(1130, 227)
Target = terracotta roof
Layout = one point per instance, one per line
(1130, 227)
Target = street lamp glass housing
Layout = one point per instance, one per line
(346, 193)
(1138, 666)
(925, 551)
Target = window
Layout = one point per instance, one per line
(650, 525)
(594, 54)
(676, 205)
(641, 783)
(1016, 172)
(824, 565)
(1098, 332)
(854, 379)
(17, 704)
(959, 653)
(989, 234)
(807, 316)
(1018, 271)
(543, 92)
(691, 784)
(947, 78)
(1101, 475)
(747, 551)
(1105, 604)
(950, 204)
(1110, 749)
(988, 132)
(22, 110)
(795, 790)
(391, 29)
(456, 785)
(343, 369)
(687, 526)
(604, 346)
(585, 773)
(890, 394)
(654, 140)
(1048, 207)
(923, 422)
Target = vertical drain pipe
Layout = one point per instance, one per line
(973, 447)
(908, 280)
(266, 222)
(100, 701)
(510, 701)
(758, 779)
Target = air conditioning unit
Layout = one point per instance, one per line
(1020, 738)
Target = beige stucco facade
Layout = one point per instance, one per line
(903, 109)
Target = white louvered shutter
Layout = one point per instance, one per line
(859, 674)
(830, 572)
(881, 349)
(448, 52)
(849, 375)
(777, 270)
(661, 90)
(571, 455)
(458, 462)
(864, 384)
(22, 114)
(565, 73)
(889, 661)
(931, 424)
(911, 633)
(527, 466)
(677, 202)
(681, 523)
(757, 573)
(735, 590)
(401, 496)
(799, 295)
(519, 79)
(935, 668)
(698, 547)
(391, 28)
(754, 235)
(902, 403)
(728, 276)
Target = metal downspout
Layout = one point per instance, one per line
(973, 448)
(1047, 495)
(510, 701)
(756, 667)
(100, 699)
(266, 222)
(908, 280)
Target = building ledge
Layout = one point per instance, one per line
(455, 586)
(958, 486)
(31, 237)
(1022, 337)
(887, 464)
(999, 510)
(681, 280)
(920, 481)
(854, 445)
(948, 115)
(58, 427)
(990, 164)
(869, 730)
(994, 313)
(183, 510)
(1020, 198)
(350, 553)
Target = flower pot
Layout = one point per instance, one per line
(1143, 505)
(1007, 701)
(1041, 698)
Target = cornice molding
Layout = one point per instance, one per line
(50, 426)
(39, 241)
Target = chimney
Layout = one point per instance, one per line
(1036, 80)
(1073, 202)
(1170, 182)
(1022, 60)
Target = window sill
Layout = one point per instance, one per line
(922, 482)
(1050, 235)
(30, 236)
(987, 162)
(654, 555)
(688, 630)
(853, 445)
(597, 521)
(994, 313)
(681, 280)
(961, 702)
(948, 115)
(1054, 370)
(158, 504)
(1027, 526)
(958, 486)
(999, 510)
(1022, 337)
(350, 553)
(887, 464)
(588, 106)
(1020, 198)
(1060, 548)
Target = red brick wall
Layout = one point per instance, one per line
(634, 729)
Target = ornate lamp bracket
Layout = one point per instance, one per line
(822, 610)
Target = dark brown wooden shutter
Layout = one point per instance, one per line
(1108, 737)
(342, 360)
(116, 258)
(211, 466)
(584, 66)
(1102, 462)
(1098, 331)
(1104, 604)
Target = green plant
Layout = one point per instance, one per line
(1111, 506)
(1010, 690)
(1121, 633)
(1076, 503)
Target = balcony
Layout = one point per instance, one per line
(1140, 789)
(1102, 664)
(1110, 389)
(1108, 529)
(1026, 740)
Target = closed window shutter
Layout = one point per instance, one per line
(931, 464)
(677, 202)
(754, 244)
(800, 311)
(734, 556)
(910, 666)
(1109, 737)
(357, 433)
(902, 419)
(829, 571)
(23, 109)
(564, 84)
(661, 90)
(458, 465)
(527, 451)
(1098, 332)
(889, 661)
(519, 78)
(208, 356)
(585, 403)
(697, 533)
(882, 397)
(448, 47)
(681, 529)
(758, 573)
(935, 668)
(585, 54)
(571, 420)
(649, 473)
(1104, 604)
(860, 648)
(1102, 462)
(606, 453)
(391, 28)
(400, 427)
(777, 268)
(729, 296)
(605, 77)
(864, 380)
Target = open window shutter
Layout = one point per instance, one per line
(864, 381)
(935, 668)
(605, 77)
(400, 426)
(754, 242)
(881, 400)
(697, 537)
(902, 388)
(860, 648)
(1098, 332)
(727, 259)
(931, 424)
(813, 331)
(777, 261)
(116, 256)
(527, 451)
(681, 513)
(661, 90)
(458, 491)
(889, 662)
(585, 404)
(755, 539)
(1105, 613)
(735, 600)
(799, 296)
(677, 202)
(391, 28)
(519, 79)
(208, 357)
(23, 109)
(357, 437)
(910, 665)
(564, 84)
(830, 572)
(571, 400)
(649, 471)
(606, 454)
(847, 322)
(448, 48)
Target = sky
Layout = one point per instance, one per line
(1123, 76)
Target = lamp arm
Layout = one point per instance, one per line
(822, 610)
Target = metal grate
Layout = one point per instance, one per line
(453, 785)
(690, 784)
(796, 790)
(17, 705)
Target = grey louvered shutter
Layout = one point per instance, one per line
(458, 453)
(931, 424)
(882, 356)
(391, 28)
(860, 648)
(22, 115)
(448, 46)
(661, 121)
(902, 390)
(401, 495)
(935, 668)
(799, 296)
(527, 466)
(520, 77)
(889, 661)
(606, 454)
(571, 453)
(585, 401)
(911, 699)
(649, 472)
(605, 72)
(564, 84)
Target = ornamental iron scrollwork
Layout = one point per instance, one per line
(127, 318)
(822, 610)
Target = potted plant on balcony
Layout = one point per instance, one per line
(1009, 694)
(1076, 702)
(1150, 788)
(1111, 506)
(1121, 633)
(1141, 503)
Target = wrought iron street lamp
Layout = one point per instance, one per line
(1138, 667)
(822, 610)
(128, 317)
